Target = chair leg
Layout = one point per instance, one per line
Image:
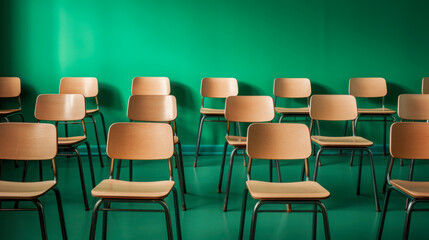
(408, 219)
(82, 180)
(279, 174)
(228, 183)
(374, 182)
(383, 190)
(179, 146)
(410, 178)
(325, 220)
(243, 213)
(359, 173)
(97, 139)
(346, 124)
(104, 227)
(61, 213)
(316, 166)
(314, 231)
(281, 118)
(41, 218)
(24, 175)
(222, 166)
(271, 170)
(167, 219)
(40, 171)
(177, 214)
(94, 219)
(118, 169)
(383, 213)
(181, 180)
(253, 224)
(384, 136)
(131, 170)
(91, 166)
(200, 129)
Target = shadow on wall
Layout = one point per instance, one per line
(247, 89)
(393, 91)
(317, 88)
(109, 98)
(6, 39)
(29, 96)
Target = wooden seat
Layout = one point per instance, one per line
(286, 142)
(340, 108)
(307, 190)
(158, 108)
(349, 141)
(88, 87)
(150, 86)
(408, 140)
(67, 108)
(10, 89)
(30, 142)
(218, 88)
(292, 88)
(372, 87)
(245, 109)
(137, 141)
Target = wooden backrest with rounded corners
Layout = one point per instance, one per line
(87, 86)
(150, 86)
(60, 107)
(292, 87)
(10, 87)
(409, 140)
(333, 107)
(425, 85)
(249, 109)
(155, 108)
(140, 141)
(219, 87)
(413, 106)
(28, 141)
(278, 141)
(368, 87)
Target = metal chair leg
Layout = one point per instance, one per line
(359, 173)
(410, 178)
(41, 218)
(167, 219)
(104, 227)
(181, 180)
(279, 174)
(325, 220)
(97, 139)
(271, 170)
(383, 213)
(374, 182)
(253, 224)
(82, 180)
(222, 166)
(40, 171)
(94, 219)
(177, 215)
(228, 184)
(316, 167)
(61, 213)
(118, 169)
(408, 219)
(179, 146)
(131, 170)
(91, 166)
(200, 129)
(243, 213)
(314, 230)
(24, 175)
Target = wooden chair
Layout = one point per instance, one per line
(340, 108)
(292, 88)
(407, 141)
(67, 108)
(10, 88)
(281, 141)
(150, 86)
(158, 108)
(372, 87)
(30, 141)
(137, 141)
(220, 88)
(88, 87)
(245, 109)
(425, 85)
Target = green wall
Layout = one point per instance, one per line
(254, 41)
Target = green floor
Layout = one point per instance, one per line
(350, 216)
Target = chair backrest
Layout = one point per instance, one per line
(249, 109)
(368, 87)
(10, 87)
(425, 85)
(140, 141)
(152, 108)
(150, 86)
(60, 107)
(87, 86)
(409, 140)
(413, 106)
(219, 87)
(28, 141)
(278, 141)
(333, 107)
(292, 87)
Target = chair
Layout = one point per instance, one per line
(245, 109)
(425, 85)
(340, 108)
(10, 87)
(67, 108)
(150, 86)
(213, 88)
(281, 141)
(137, 141)
(158, 108)
(407, 141)
(372, 87)
(30, 141)
(88, 87)
(292, 88)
